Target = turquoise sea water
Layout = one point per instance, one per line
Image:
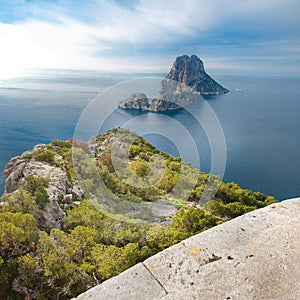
(260, 121)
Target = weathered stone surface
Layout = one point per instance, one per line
(39, 147)
(59, 184)
(68, 198)
(163, 105)
(135, 283)
(190, 72)
(14, 169)
(255, 256)
(77, 191)
(60, 189)
(135, 101)
(53, 215)
(11, 165)
(14, 173)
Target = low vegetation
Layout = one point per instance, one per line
(94, 245)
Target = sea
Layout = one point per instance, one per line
(250, 135)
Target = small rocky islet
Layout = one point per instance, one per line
(186, 80)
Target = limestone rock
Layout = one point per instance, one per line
(135, 101)
(163, 105)
(39, 147)
(77, 191)
(13, 172)
(53, 215)
(190, 72)
(59, 185)
(60, 190)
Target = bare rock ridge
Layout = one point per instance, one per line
(190, 72)
(255, 256)
(186, 78)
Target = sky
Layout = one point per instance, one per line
(230, 36)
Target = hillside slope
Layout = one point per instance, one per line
(75, 214)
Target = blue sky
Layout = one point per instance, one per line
(232, 37)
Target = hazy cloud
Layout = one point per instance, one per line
(121, 34)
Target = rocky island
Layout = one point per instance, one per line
(186, 79)
(141, 102)
(190, 72)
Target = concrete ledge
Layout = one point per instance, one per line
(255, 256)
(130, 284)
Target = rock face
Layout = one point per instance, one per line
(136, 101)
(255, 256)
(140, 101)
(186, 78)
(14, 169)
(163, 105)
(190, 72)
(61, 192)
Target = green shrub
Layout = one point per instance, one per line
(45, 155)
(37, 185)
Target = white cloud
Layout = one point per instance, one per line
(35, 44)
(155, 24)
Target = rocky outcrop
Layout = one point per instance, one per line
(136, 101)
(13, 172)
(159, 105)
(255, 256)
(173, 96)
(186, 78)
(14, 169)
(59, 182)
(144, 104)
(190, 72)
(61, 192)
